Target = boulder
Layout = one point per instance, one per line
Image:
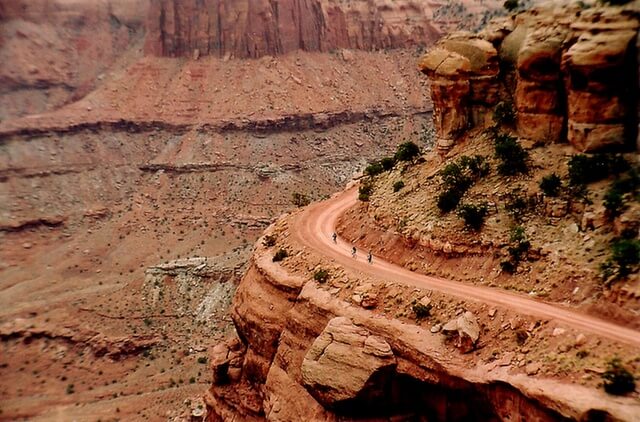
(343, 361)
(467, 329)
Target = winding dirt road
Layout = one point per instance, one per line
(316, 224)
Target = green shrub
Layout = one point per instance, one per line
(202, 360)
(473, 215)
(613, 203)
(300, 199)
(617, 379)
(70, 389)
(550, 185)
(513, 158)
(321, 276)
(457, 178)
(511, 5)
(365, 190)
(280, 255)
(517, 205)
(517, 249)
(504, 113)
(407, 151)
(398, 185)
(387, 163)
(477, 165)
(584, 169)
(421, 311)
(625, 253)
(269, 240)
(374, 169)
(448, 200)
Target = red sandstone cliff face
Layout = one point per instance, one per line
(254, 28)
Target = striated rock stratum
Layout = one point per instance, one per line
(254, 28)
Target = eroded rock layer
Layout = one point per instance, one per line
(254, 28)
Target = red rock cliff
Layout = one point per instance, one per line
(254, 28)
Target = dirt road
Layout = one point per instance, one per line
(314, 228)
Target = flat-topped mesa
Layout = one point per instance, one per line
(571, 75)
(255, 28)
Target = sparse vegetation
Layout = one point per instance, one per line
(457, 178)
(473, 215)
(420, 310)
(511, 5)
(550, 185)
(374, 169)
(269, 240)
(617, 379)
(407, 151)
(387, 163)
(299, 199)
(70, 389)
(202, 360)
(365, 190)
(398, 185)
(321, 276)
(624, 260)
(280, 255)
(518, 248)
(517, 205)
(584, 169)
(513, 158)
(504, 113)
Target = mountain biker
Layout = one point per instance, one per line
(334, 236)
(370, 257)
(353, 252)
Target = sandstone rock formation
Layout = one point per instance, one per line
(254, 28)
(343, 360)
(467, 329)
(570, 73)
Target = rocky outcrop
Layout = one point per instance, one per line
(570, 74)
(463, 70)
(467, 330)
(342, 360)
(254, 28)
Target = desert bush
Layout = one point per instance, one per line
(613, 203)
(517, 249)
(448, 200)
(269, 240)
(374, 169)
(202, 360)
(365, 190)
(513, 158)
(584, 169)
(473, 215)
(300, 199)
(407, 151)
(617, 379)
(321, 276)
(517, 205)
(280, 255)
(387, 163)
(398, 185)
(504, 113)
(421, 311)
(550, 185)
(457, 177)
(625, 253)
(511, 5)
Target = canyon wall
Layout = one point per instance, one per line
(254, 28)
